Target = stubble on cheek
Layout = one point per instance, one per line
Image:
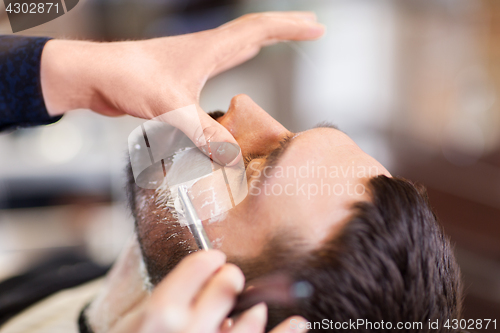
(164, 243)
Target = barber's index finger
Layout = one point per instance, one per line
(261, 29)
(181, 286)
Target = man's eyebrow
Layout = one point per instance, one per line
(326, 124)
(273, 157)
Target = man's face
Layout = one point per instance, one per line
(301, 184)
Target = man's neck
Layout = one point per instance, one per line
(125, 289)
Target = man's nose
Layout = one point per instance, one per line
(253, 128)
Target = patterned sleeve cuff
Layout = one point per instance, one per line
(21, 98)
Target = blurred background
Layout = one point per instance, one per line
(415, 83)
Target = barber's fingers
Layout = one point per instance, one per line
(170, 304)
(263, 28)
(214, 133)
(187, 279)
(210, 136)
(242, 56)
(251, 321)
(254, 320)
(217, 299)
(240, 39)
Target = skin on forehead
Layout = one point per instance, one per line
(326, 173)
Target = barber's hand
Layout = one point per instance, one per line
(148, 78)
(196, 297)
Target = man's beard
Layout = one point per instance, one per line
(177, 245)
(164, 242)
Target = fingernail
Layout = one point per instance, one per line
(239, 284)
(236, 277)
(224, 153)
(317, 28)
(259, 312)
(318, 25)
(308, 17)
(226, 324)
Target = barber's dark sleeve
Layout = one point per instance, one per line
(21, 99)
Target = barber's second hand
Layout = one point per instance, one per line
(275, 289)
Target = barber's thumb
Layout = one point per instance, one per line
(218, 143)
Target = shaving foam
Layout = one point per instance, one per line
(188, 167)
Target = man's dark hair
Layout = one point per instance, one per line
(391, 261)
